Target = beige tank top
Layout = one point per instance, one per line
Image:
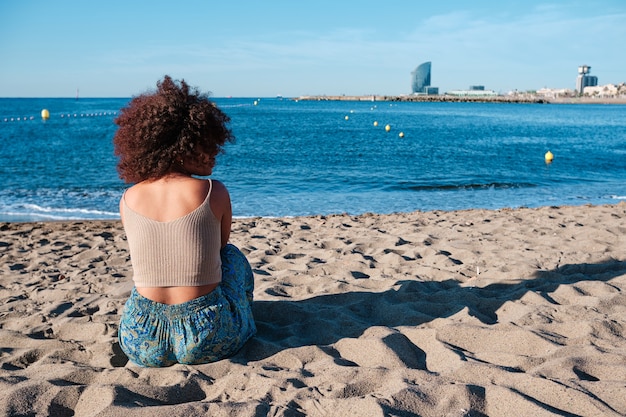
(181, 252)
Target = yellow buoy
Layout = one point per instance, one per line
(387, 128)
(45, 114)
(375, 123)
(346, 117)
(549, 156)
(256, 102)
(401, 134)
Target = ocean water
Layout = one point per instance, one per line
(296, 158)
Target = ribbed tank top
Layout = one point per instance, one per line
(181, 252)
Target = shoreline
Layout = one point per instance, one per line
(457, 99)
(471, 312)
(396, 213)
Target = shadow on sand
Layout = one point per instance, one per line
(325, 319)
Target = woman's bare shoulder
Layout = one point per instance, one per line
(132, 193)
(218, 189)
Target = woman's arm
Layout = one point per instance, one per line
(122, 209)
(221, 207)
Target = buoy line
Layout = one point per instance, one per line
(45, 115)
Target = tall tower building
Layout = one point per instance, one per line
(420, 78)
(584, 79)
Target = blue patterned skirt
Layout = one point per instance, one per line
(205, 329)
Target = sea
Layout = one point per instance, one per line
(299, 158)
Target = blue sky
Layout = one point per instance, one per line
(263, 48)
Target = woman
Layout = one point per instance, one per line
(192, 298)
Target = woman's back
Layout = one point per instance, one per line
(174, 237)
(168, 198)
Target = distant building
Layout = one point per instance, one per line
(420, 80)
(609, 90)
(472, 93)
(555, 92)
(584, 79)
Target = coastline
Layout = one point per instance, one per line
(474, 312)
(521, 98)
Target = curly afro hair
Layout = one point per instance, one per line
(159, 128)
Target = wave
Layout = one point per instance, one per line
(460, 187)
(34, 212)
(68, 210)
(232, 106)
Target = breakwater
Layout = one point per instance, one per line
(514, 98)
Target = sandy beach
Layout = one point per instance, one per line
(513, 312)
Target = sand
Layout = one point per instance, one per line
(468, 313)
